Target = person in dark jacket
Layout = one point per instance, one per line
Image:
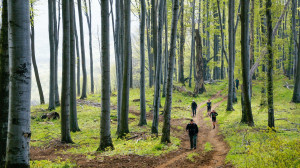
(214, 115)
(194, 108)
(192, 128)
(208, 107)
(237, 82)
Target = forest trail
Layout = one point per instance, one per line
(215, 157)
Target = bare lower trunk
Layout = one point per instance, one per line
(20, 84)
(199, 85)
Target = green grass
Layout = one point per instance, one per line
(207, 147)
(191, 156)
(257, 146)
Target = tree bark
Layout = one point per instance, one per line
(65, 94)
(105, 135)
(4, 84)
(56, 40)
(156, 103)
(296, 93)
(271, 122)
(123, 130)
(166, 53)
(78, 55)
(52, 88)
(216, 72)
(150, 55)
(84, 82)
(73, 105)
(143, 120)
(231, 49)
(246, 61)
(154, 31)
(167, 114)
(182, 41)
(193, 44)
(20, 84)
(199, 85)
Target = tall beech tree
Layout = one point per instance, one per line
(231, 34)
(296, 93)
(123, 129)
(83, 64)
(167, 114)
(73, 108)
(271, 119)
(248, 119)
(19, 85)
(105, 133)
(65, 94)
(154, 31)
(192, 44)
(143, 120)
(4, 84)
(200, 68)
(182, 41)
(158, 69)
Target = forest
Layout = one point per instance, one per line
(150, 83)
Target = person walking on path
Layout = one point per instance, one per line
(237, 82)
(192, 128)
(194, 108)
(214, 115)
(208, 107)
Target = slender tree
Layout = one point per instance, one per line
(246, 62)
(123, 130)
(84, 82)
(73, 109)
(35, 68)
(271, 120)
(192, 44)
(52, 88)
(142, 51)
(105, 135)
(154, 31)
(167, 114)
(78, 55)
(296, 93)
(56, 25)
(166, 52)
(158, 75)
(182, 41)
(65, 94)
(4, 84)
(20, 84)
(216, 70)
(150, 55)
(231, 55)
(88, 15)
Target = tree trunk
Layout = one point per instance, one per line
(208, 38)
(78, 55)
(167, 114)
(296, 93)
(216, 72)
(231, 49)
(20, 84)
(192, 45)
(246, 61)
(4, 84)
(156, 103)
(150, 55)
(88, 15)
(73, 108)
(154, 31)
(105, 135)
(166, 52)
(182, 41)
(295, 51)
(252, 38)
(56, 40)
(65, 94)
(84, 82)
(271, 123)
(35, 68)
(199, 85)
(143, 120)
(52, 88)
(123, 130)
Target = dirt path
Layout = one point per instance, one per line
(215, 157)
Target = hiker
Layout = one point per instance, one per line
(208, 107)
(214, 115)
(237, 82)
(194, 108)
(192, 128)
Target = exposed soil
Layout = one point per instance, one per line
(214, 158)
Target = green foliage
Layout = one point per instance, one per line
(191, 156)
(207, 147)
(58, 163)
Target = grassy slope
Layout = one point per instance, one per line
(86, 142)
(257, 146)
